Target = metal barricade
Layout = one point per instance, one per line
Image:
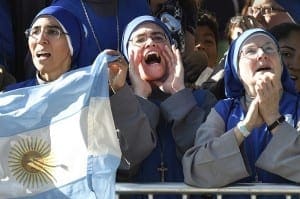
(252, 189)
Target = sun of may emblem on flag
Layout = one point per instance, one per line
(59, 140)
(30, 162)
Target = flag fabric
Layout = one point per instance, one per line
(58, 140)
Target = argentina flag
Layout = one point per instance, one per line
(58, 140)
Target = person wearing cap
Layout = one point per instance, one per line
(156, 76)
(253, 134)
(273, 12)
(54, 39)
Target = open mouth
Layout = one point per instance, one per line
(265, 68)
(152, 58)
(43, 54)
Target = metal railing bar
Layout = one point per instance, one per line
(181, 188)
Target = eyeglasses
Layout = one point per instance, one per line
(141, 39)
(51, 32)
(264, 10)
(251, 51)
(242, 19)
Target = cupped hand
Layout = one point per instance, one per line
(140, 87)
(175, 79)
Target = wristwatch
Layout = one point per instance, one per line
(276, 123)
(243, 129)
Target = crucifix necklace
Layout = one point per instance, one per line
(92, 27)
(162, 169)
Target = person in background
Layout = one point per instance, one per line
(156, 76)
(55, 41)
(223, 12)
(288, 36)
(235, 27)
(180, 17)
(207, 38)
(253, 134)
(246, 5)
(238, 24)
(273, 12)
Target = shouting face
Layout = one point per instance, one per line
(148, 43)
(49, 48)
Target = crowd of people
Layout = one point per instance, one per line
(184, 112)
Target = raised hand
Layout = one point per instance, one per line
(117, 71)
(253, 119)
(140, 87)
(269, 90)
(175, 79)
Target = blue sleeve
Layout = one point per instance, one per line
(223, 107)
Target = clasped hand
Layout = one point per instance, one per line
(265, 106)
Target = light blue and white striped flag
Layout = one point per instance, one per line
(59, 140)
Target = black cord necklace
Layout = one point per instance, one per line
(92, 27)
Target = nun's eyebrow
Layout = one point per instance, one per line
(264, 44)
(47, 26)
(53, 26)
(151, 33)
(269, 42)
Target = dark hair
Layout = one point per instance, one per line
(241, 21)
(206, 18)
(247, 4)
(283, 30)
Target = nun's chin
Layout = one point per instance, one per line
(153, 72)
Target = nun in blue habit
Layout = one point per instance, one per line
(252, 136)
(71, 28)
(128, 115)
(174, 116)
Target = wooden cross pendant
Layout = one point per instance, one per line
(162, 169)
